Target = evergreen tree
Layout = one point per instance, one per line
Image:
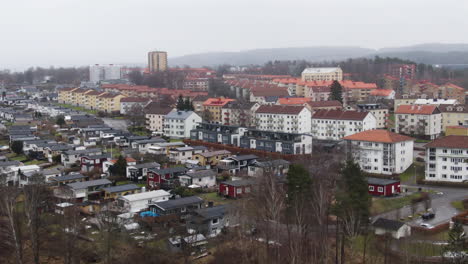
(298, 180)
(336, 92)
(180, 103)
(119, 169)
(17, 147)
(456, 244)
(187, 104)
(60, 120)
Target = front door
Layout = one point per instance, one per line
(393, 189)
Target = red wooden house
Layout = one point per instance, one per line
(383, 187)
(235, 189)
(158, 177)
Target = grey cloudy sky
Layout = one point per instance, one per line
(81, 32)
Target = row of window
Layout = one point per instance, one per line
(379, 189)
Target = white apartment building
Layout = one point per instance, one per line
(283, 118)
(336, 124)
(322, 74)
(446, 159)
(154, 115)
(379, 111)
(421, 120)
(178, 124)
(381, 151)
(100, 72)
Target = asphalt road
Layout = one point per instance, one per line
(120, 124)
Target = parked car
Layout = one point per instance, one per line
(426, 225)
(427, 216)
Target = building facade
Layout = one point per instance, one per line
(157, 61)
(178, 124)
(322, 74)
(283, 118)
(100, 72)
(420, 120)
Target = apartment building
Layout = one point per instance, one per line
(65, 95)
(420, 120)
(446, 159)
(213, 106)
(269, 141)
(109, 102)
(454, 115)
(154, 114)
(381, 151)
(157, 61)
(129, 103)
(322, 74)
(378, 110)
(236, 113)
(283, 118)
(336, 124)
(91, 99)
(178, 124)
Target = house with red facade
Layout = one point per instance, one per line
(93, 162)
(383, 187)
(159, 178)
(235, 189)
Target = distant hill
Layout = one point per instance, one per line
(431, 53)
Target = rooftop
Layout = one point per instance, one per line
(217, 101)
(378, 181)
(179, 114)
(280, 109)
(171, 204)
(145, 195)
(388, 224)
(320, 70)
(86, 184)
(417, 109)
(339, 115)
(379, 135)
(456, 142)
(121, 188)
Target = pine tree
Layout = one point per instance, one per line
(187, 104)
(119, 169)
(456, 244)
(180, 103)
(299, 181)
(17, 147)
(336, 92)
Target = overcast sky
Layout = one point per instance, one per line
(82, 32)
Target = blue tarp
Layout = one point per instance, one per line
(148, 213)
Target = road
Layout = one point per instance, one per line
(120, 124)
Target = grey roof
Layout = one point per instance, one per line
(244, 157)
(83, 151)
(378, 181)
(171, 204)
(52, 171)
(388, 224)
(179, 115)
(69, 177)
(183, 149)
(86, 184)
(170, 170)
(199, 148)
(272, 163)
(100, 156)
(9, 163)
(121, 188)
(60, 147)
(215, 153)
(238, 183)
(201, 174)
(147, 165)
(151, 140)
(212, 212)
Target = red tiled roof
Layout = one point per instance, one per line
(279, 109)
(378, 135)
(109, 95)
(381, 92)
(94, 93)
(339, 115)
(325, 104)
(294, 100)
(454, 86)
(155, 108)
(128, 159)
(217, 101)
(134, 99)
(67, 89)
(416, 109)
(449, 142)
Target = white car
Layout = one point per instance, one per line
(426, 225)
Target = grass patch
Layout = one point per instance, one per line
(18, 157)
(119, 117)
(175, 140)
(213, 197)
(415, 168)
(458, 205)
(424, 249)
(392, 117)
(79, 108)
(381, 205)
(422, 141)
(35, 162)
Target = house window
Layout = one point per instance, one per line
(238, 190)
(380, 189)
(215, 221)
(371, 188)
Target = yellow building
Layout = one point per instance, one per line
(211, 158)
(456, 131)
(322, 74)
(109, 102)
(454, 115)
(91, 98)
(65, 95)
(214, 106)
(157, 61)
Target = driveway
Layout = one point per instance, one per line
(119, 124)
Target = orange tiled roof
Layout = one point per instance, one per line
(217, 101)
(449, 142)
(378, 135)
(416, 109)
(381, 92)
(294, 100)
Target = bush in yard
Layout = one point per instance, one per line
(17, 147)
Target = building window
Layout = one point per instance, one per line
(371, 188)
(380, 189)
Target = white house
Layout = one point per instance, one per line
(182, 154)
(13, 173)
(136, 202)
(81, 190)
(283, 118)
(381, 151)
(446, 159)
(201, 178)
(421, 120)
(144, 145)
(178, 124)
(396, 229)
(336, 124)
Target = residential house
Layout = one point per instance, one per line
(379, 94)
(115, 192)
(154, 115)
(446, 159)
(419, 120)
(129, 104)
(66, 179)
(71, 157)
(108, 163)
(287, 119)
(208, 221)
(109, 102)
(236, 164)
(134, 203)
(178, 124)
(395, 228)
(214, 106)
(383, 187)
(236, 189)
(454, 115)
(238, 113)
(378, 110)
(201, 178)
(277, 167)
(322, 74)
(158, 178)
(211, 158)
(87, 190)
(336, 124)
(144, 145)
(89, 163)
(381, 151)
(165, 148)
(180, 207)
(138, 172)
(182, 154)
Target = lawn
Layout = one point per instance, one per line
(213, 197)
(175, 140)
(458, 205)
(130, 182)
(35, 162)
(18, 157)
(424, 249)
(422, 141)
(407, 176)
(381, 205)
(78, 108)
